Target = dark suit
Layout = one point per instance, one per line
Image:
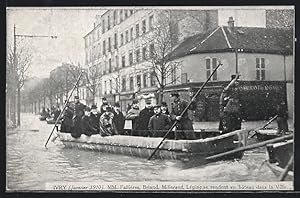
(143, 120)
(119, 121)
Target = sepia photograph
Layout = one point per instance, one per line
(150, 99)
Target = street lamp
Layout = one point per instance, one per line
(14, 73)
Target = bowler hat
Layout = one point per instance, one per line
(148, 101)
(164, 104)
(76, 97)
(94, 106)
(135, 101)
(156, 106)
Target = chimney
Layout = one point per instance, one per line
(230, 24)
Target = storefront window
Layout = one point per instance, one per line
(211, 64)
(260, 69)
(131, 86)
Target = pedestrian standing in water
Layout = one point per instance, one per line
(282, 118)
(144, 118)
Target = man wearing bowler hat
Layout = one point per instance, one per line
(184, 127)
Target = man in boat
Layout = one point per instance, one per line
(230, 116)
(133, 115)
(77, 118)
(164, 108)
(104, 104)
(282, 118)
(119, 119)
(184, 127)
(144, 118)
(106, 122)
(90, 125)
(67, 122)
(158, 122)
(56, 113)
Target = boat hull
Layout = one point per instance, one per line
(278, 171)
(267, 134)
(187, 151)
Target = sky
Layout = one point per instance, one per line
(69, 25)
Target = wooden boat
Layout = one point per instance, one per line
(267, 134)
(279, 155)
(184, 150)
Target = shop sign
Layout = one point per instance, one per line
(260, 87)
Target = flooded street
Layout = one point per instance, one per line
(30, 165)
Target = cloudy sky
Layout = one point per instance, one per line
(69, 25)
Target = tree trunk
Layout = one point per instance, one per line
(13, 107)
(19, 106)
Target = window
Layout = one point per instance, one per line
(116, 41)
(137, 54)
(152, 79)
(151, 22)
(109, 44)
(110, 86)
(123, 84)
(121, 16)
(131, 33)
(138, 80)
(105, 67)
(117, 85)
(144, 26)
(126, 13)
(115, 17)
(145, 78)
(173, 75)
(151, 49)
(109, 65)
(130, 58)
(117, 61)
(103, 26)
(131, 83)
(144, 56)
(211, 64)
(260, 69)
(108, 22)
(137, 30)
(131, 12)
(103, 47)
(123, 61)
(184, 78)
(126, 36)
(122, 39)
(105, 88)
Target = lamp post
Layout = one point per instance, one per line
(15, 87)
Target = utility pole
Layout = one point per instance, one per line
(16, 90)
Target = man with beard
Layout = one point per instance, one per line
(119, 119)
(144, 118)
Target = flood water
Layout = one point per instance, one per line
(30, 165)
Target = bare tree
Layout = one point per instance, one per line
(92, 77)
(162, 40)
(20, 61)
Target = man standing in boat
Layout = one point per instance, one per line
(133, 115)
(144, 118)
(78, 113)
(158, 122)
(230, 118)
(184, 127)
(119, 119)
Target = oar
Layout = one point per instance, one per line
(249, 147)
(186, 108)
(63, 109)
(255, 130)
(286, 169)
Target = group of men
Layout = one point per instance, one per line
(53, 113)
(80, 119)
(154, 121)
